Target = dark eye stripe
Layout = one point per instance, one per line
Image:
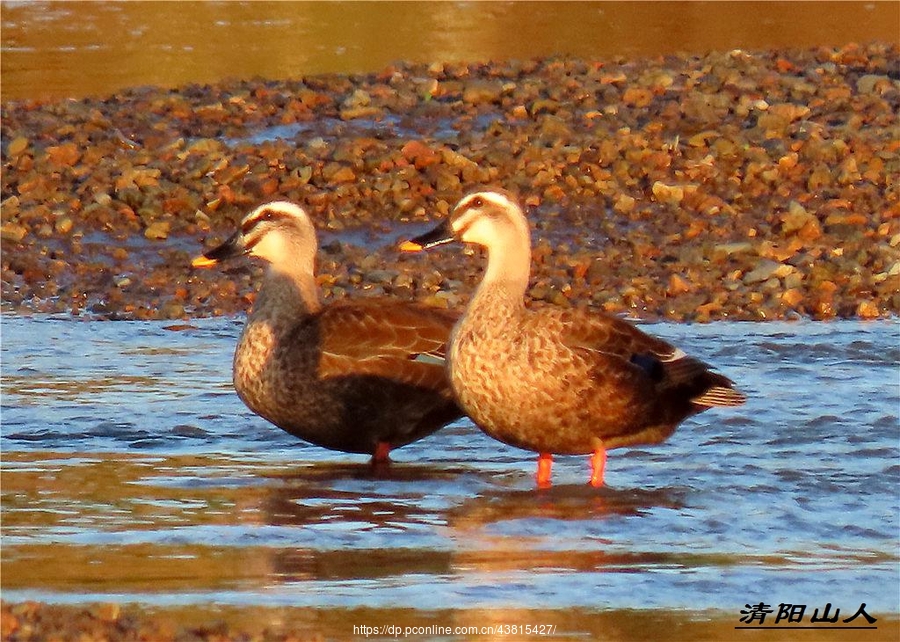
(477, 202)
(472, 201)
(251, 241)
(268, 215)
(248, 225)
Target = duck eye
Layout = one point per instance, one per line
(477, 202)
(268, 215)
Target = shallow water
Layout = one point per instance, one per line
(131, 472)
(75, 49)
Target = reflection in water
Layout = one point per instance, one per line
(212, 505)
(561, 502)
(77, 49)
(311, 497)
(310, 565)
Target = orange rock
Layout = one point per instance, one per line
(836, 94)
(341, 175)
(646, 251)
(811, 231)
(226, 194)
(420, 154)
(580, 269)
(778, 251)
(63, 225)
(788, 111)
(613, 78)
(64, 155)
(624, 204)
(820, 177)
(270, 187)
(107, 612)
(637, 97)
(677, 285)
(17, 146)
(13, 232)
(849, 172)
(554, 193)
(824, 309)
(702, 139)
(696, 228)
(670, 194)
(9, 624)
(157, 230)
(788, 161)
(838, 203)
(127, 213)
(867, 310)
(520, 112)
(846, 219)
(784, 66)
(792, 297)
(707, 309)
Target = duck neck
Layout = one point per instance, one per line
(288, 292)
(506, 277)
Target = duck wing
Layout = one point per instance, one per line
(612, 336)
(619, 346)
(402, 341)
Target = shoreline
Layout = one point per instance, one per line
(747, 186)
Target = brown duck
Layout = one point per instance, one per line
(364, 376)
(553, 380)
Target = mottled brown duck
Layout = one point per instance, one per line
(364, 376)
(554, 380)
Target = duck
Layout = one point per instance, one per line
(553, 380)
(359, 376)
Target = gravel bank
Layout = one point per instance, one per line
(739, 185)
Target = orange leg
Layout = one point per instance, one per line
(545, 463)
(598, 464)
(382, 453)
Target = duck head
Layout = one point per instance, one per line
(279, 233)
(491, 219)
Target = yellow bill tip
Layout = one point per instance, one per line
(203, 262)
(410, 246)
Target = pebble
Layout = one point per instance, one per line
(63, 225)
(17, 146)
(157, 230)
(13, 232)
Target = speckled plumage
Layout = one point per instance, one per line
(555, 380)
(349, 376)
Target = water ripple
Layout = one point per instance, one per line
(136, 448)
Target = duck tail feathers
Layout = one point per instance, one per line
(719, 396)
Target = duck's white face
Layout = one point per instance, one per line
(276, 232)
(494, 221)
(490, 219)
(280, 233)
